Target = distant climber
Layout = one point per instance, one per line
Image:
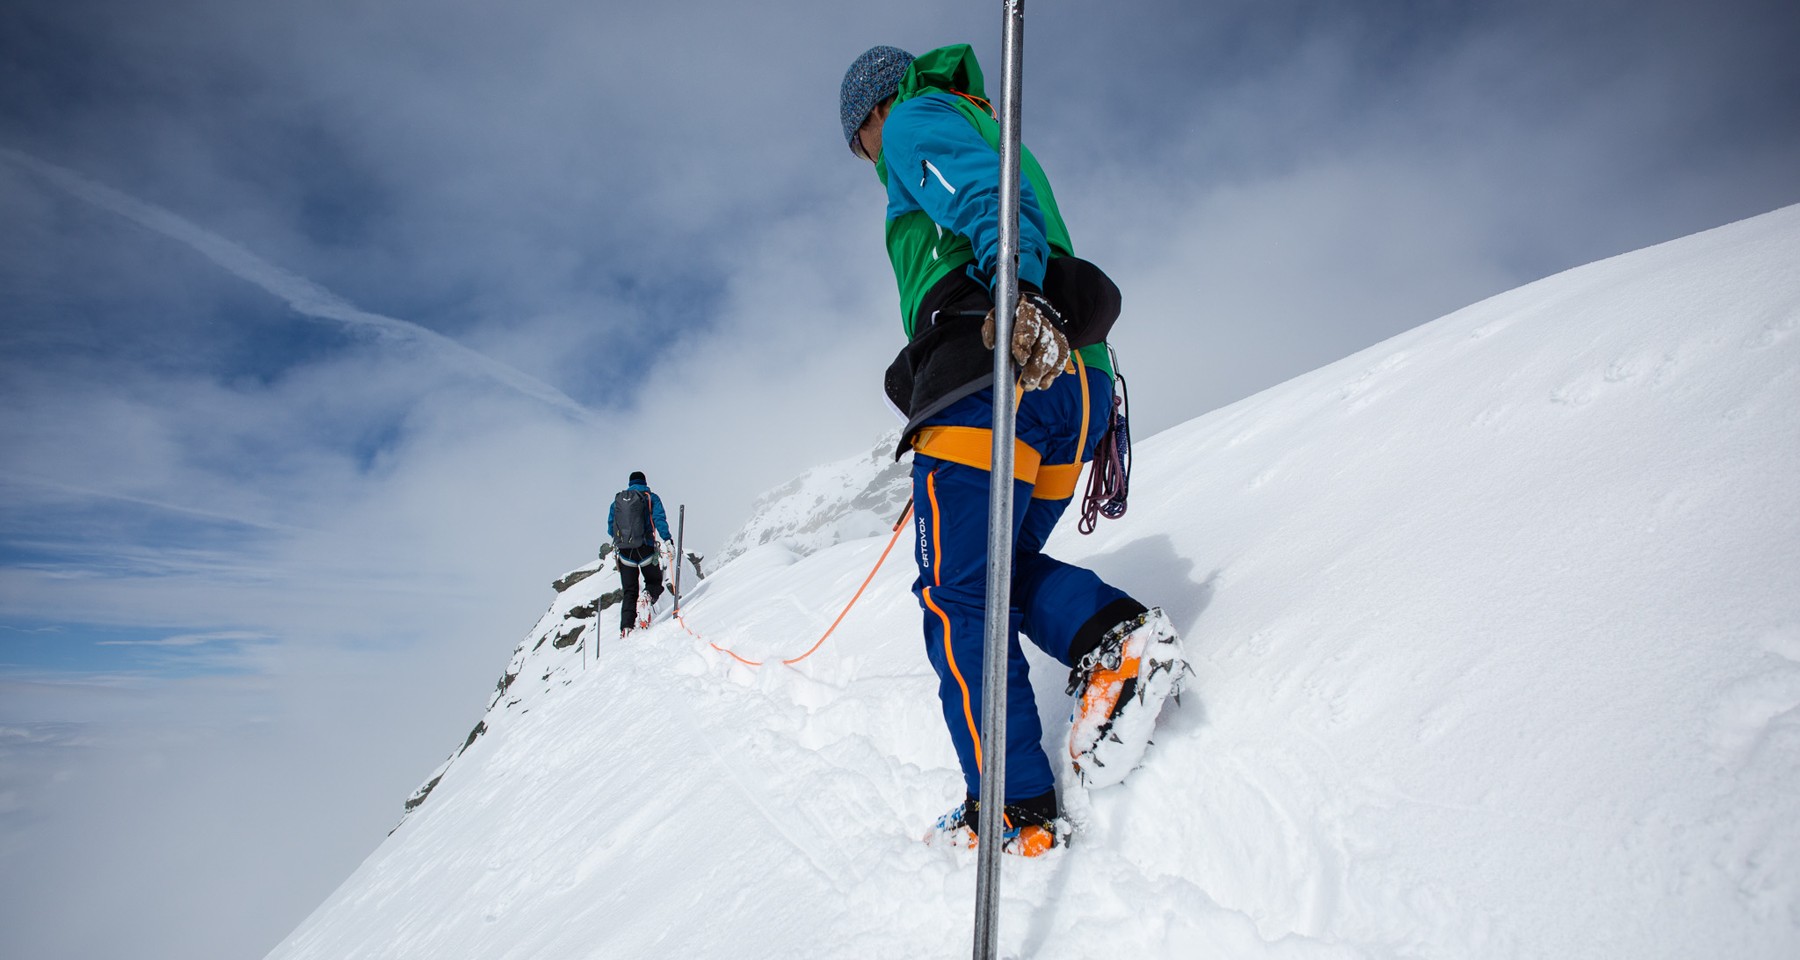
(926, 126)
(634, 522)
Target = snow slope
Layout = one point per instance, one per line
(1497, 636)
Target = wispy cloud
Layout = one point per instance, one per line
(193, 639)
(304, 296)
(86, 492)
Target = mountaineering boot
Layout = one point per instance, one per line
(1032, 827)
(1122, 685)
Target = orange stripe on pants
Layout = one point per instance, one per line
(937, 555)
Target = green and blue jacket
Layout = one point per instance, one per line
(940, 165)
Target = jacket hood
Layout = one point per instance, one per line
(946, 68)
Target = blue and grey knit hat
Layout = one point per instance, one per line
(874, 77)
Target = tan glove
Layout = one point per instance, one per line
(1040, 350)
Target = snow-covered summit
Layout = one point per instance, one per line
(855, 497)
(1496, 628)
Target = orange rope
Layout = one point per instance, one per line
(898, 525)
(983, 104)
(691, 633)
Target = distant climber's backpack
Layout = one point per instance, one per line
(631, 519)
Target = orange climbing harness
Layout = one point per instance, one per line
(974, 447)
(898, 526)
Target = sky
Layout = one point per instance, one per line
(328, 330)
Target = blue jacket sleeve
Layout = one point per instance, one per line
(611, 530)
(939, 161)
(661, 520)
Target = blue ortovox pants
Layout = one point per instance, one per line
(1061, 608)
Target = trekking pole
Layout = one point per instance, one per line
(680, 536)
(1000, 503)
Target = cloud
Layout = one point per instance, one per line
(304, 296)
(192, 639)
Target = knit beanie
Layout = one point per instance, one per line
(637, 476)
(872, 78)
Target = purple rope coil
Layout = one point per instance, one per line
(1109, 480)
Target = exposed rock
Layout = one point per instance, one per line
(582, 572)
(480, 728)
(420, 794)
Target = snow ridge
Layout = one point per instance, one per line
(1496, 635)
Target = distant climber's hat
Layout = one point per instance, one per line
(637, 476)
(872, 78)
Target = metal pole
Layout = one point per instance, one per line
(1000, 503)
(680, 536)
